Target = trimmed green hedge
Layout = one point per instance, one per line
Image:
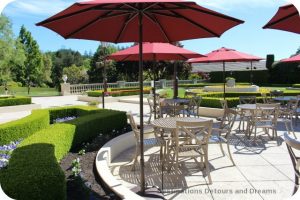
(214, 102)
(296, 85)
(206, 84)
(33, 171)
(13, 101)
(22, 128)
(117, 93)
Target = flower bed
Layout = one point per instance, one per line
(116, 93)
(34, 167)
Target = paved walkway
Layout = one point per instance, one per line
(263, 171)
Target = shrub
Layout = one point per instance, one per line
(22, 128)
(12, 101)
(34, 166)
(214, 102)
(117, 93)
(34, 172)
(296, 85)
(96, 93)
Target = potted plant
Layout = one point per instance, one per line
(230, 82)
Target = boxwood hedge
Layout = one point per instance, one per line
(33, 171)
(22, 128)
(13, 101)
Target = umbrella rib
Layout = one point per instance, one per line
(165, 14)
(105, 16)
(281, 19)
(129, 18)
(208, 12)
(67, 15)
(156, 21)
(181, 55)
(194, 23)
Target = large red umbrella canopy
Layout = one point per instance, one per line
(154, 52)
(116, 21)
(225, 55)
(292, 59)
(287, 19)
(139, 21)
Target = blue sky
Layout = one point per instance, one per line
(248, 37)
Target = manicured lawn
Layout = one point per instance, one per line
(22, 91)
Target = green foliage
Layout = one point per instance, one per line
(96, 93)
(34, 164)
(11, 54)
(22, 128)
(214, 102)
(35, 91)
(194, 76)
(285, 73)
(33, 65)
(76, 75)
(17, 100)
(115, 92)
(61, 59)
(296, 85)
(241, 76)
(97, 64)
(270, 60)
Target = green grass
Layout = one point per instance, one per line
(22, 91)
(170, 93)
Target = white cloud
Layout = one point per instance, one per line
(240, 4)
(37, 7)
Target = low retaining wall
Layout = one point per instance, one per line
(103, 160)
(253, 88)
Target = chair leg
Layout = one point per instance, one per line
(221, 147)
(296, 184)
(135, 159)
(230, 156)
(207, 168)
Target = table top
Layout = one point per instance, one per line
(252, 107)
(176, 101)
(285, 98)
(170, 122)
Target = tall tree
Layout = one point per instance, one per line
(34, 59)
(76, 75)
(97, 63)
(47, 69)
(61, 59)
(11, 53)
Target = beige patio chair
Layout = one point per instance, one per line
(292, 146)
(150, 138)
(154, 110)
(266, 98)
(221, 135)
(190, 141)
(193, 107)
(168, 110)
(264, 117)
(245, 114)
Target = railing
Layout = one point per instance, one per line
(81, 88)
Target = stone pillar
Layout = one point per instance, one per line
(121, 84)
(65, 89)
(163, 83)
(195, 81)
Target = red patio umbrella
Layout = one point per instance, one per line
(292, 59)
(139, 21)
(287, 19)
(156, 52)
(225, 55)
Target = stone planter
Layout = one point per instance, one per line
(230, 83)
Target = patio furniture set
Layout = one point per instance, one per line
(181, 132)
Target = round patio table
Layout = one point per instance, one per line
(176, 101)
(170, 122)
(252, 107)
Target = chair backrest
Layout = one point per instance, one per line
(247, 99)
(228, 120)
(194, 104)
(193, 129)
(189, 94)
(276, 93)
(268, 111)
(224, 104)
(265, 97)
(291, 145)
(292, 104)
(133, 125)
(150, 100)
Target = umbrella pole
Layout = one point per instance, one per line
(141, 102)
(154, 95)
(224, 81)
(175, 85)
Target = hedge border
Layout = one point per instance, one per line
(34, 164)
(13, 101)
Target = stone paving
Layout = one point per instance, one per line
(263, 171)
